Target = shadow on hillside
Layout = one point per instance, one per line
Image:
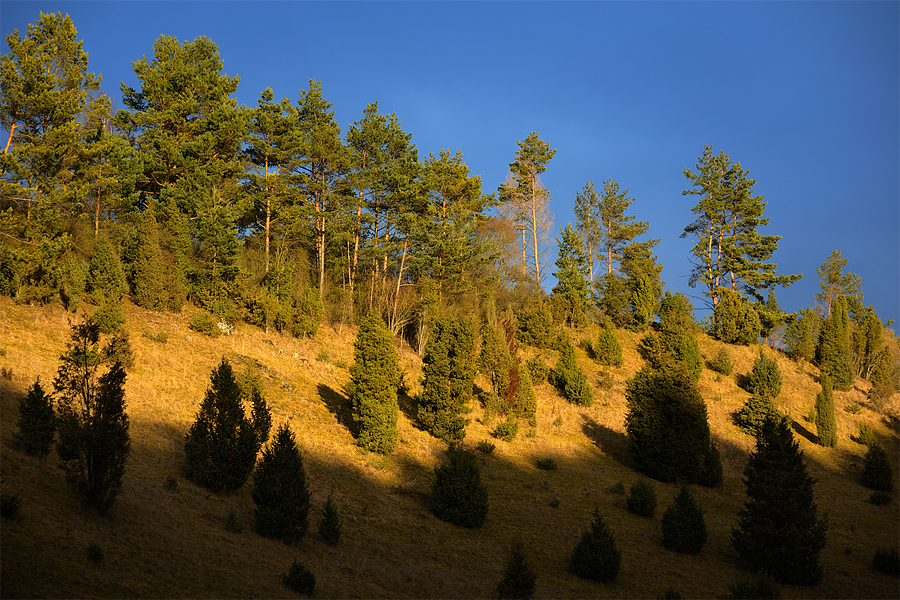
(409, 407)
(339, 406)
(612, 443)
(801, 430)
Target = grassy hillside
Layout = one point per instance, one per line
(163, 543)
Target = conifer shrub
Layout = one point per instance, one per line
(641, 499)
(526, 400)
(887, 560)
(537, 369)
(880, 499)
(683, 524)
(506, 430)
(866, 436)
(535, 325)
(448, 376)
(233, 524)
(608, 351)
(765, 378)
(755, 411)
(330, 523)
(596, 556)
(299, 579)
(671, 594)
(485, 447)
(671, 351)
(833, 354)
(374, 376)
(734, 320)
(802, 334)
(37, 422)
(569, 379)
(308, 312)
(668, 430)
(280, 491)
(148, 271)
(877, 473)
(545, 464)
(75, 282)
(721, 363)
(826, 426)
(519, 578)
(457, 494)
(780, 492)
(106, 279)
(109, 316)
(203, 322)
(95, 553)
(760, 587)
(221, 445)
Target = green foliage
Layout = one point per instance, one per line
(683, 524)
(538, 369)
(93, 443)
(734, 320)
(106, 279)
(866, 436)
(545, 464)
(764, 381)
(518, 577)
(526, 400)
(109, 316)
(95, 553)
(779, 529)
(448, 376)
(494, 359)
(374, 376)
(755, 411)
(667, 428)
(568, 377)
(299, 579)
(485, 447)
(877, 473)
(676, 313)
(721, 363)
(833, 352)
(887, 560)
(75, 282)
(607, 349)
(9, 505)
(673, 351)
(641, 499)
(506, 430)
(826, 426)
(760, 587)
(37, 422)
(205, 323)
(220, 447)
(571, 292)
(149, 272)
(280, 491)
(232, 524)
(802, 335)
(535, 325)
(330, 523)
(308, 312)
(596, 555)
(671, 594)
(457, 494)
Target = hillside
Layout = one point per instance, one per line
(163, 543)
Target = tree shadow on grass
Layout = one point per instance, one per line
(801, 430)
(339, 406)
(612, 443)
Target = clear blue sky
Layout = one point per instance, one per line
(805, 95)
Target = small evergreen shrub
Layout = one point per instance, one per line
(607, 350)
(826, 426)
(577, 390)
(671, 594)
(485, 447)
(518, 578)
(280, 491)
(887, 560)
(506, 430)
(596, 555)
(203, 322)
(545, 464)
(457, 495)
(853, 409)
(322, 356)
(734, 320)
(605, 380)
(171, 484)
(641, 499)
(109, 316)
(618, 488)
(37, 422)
(299, 579)
(683, 524)
(765, 378)
(330, 523)
(161, 338)
(753, 414)
(95, 553)
(9, 505)
(722, 363)
(538, 370)
(877, 473)
(569, 379)
(866, 435)
(232, 524)
(535, 325)
(762, 587)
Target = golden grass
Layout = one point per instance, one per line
(160, 543)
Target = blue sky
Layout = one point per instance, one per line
(805, 95)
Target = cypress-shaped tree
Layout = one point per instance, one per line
(596, 555)
(833, 353)
(568, 377)
(764, 382)
(457, 494)
(449, 373)
(667, 428)
(330, 523)
(877, 473)
(526, 401)
(683, 524)
(518, 577)
(608, 350)
(149, 278)
(734, 320)
(106, 279)
(826, 426)
(280, 491)
(374, 375)
(779, 529)
(93, 443)
(37, 422)
(220, 447)
(802, 335)
(572, 292)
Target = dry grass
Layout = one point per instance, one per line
(162, 543)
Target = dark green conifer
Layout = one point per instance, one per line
(608, 350)
(374, 376)
(449, 373)
(826, 426)
(526, 401)
(833, 353)
(518, 577)
(572, 292)
(667, 428)
(106, 279)
(596, 555)
(722, 363)
(149, 280)
(221, 446)
(877, 472)
(330, 523)
(779, 529)
(764, 380)
(734, 320)
(37, 421)
(683, 524)
(280, 491)
(568, 377)
(457, 494)
(755, 411)
(802, 335)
